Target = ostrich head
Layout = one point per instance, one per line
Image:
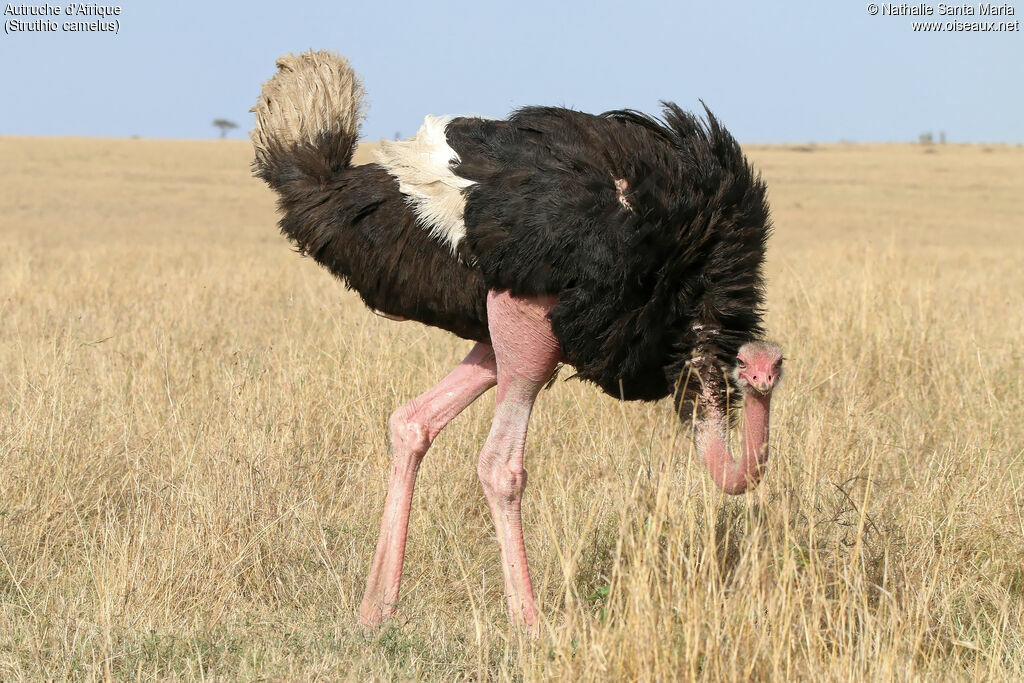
(758, 370)
(758, 367)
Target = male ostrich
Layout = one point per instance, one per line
(626, 246)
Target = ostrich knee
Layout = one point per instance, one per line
(411, 436)
(503, 484)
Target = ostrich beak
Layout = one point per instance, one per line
(763, 387)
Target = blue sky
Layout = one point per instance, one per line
(788, 71)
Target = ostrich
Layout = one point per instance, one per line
(626, 246)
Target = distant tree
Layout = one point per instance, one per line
(925, 138)
(942, 137)
(224, 126)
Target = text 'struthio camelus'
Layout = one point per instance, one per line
(626, 246)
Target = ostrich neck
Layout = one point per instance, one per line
(712, 443)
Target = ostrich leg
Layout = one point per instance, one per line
(414, 427)
(526, 352)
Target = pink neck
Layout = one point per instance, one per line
(733, 477)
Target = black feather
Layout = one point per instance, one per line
(642, 289)
(360, 227)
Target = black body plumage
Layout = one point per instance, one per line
(653, 277)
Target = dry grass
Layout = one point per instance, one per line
(193, 456)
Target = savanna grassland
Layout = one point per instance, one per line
(193, 457)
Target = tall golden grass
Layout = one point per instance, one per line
(193, 457)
